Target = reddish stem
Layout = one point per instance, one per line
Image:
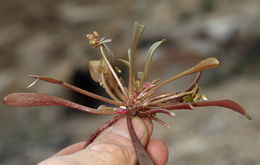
(100, 129)
(154, 111)
(160, 122)
(178, 106)
(194, 82)
(143, 157)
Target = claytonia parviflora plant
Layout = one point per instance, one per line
(131, 98)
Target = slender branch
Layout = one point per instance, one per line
(146, 89)
(170, 98)
(108, 90)
(154, 111)
(110, 54)
(160, 122)
(76, 89)
(194, 82)
(119, 94)
(158, 96)
(100, 129)
(113, 72)
(179, 106)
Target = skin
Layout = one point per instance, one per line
(113, 147)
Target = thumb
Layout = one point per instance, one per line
(117, 140)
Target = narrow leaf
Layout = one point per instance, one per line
(76, 89)
(224, 103)
(47, 79)
(150, 54)
(37, 99)
(138, 31)
(203, 65)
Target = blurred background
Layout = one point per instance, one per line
(48, 38)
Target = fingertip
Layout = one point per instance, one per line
(158, 151)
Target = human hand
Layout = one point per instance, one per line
(113, 147)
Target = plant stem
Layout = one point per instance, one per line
(103, 127)
(142, 155)
(113, 72)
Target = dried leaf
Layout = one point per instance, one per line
(96, 67)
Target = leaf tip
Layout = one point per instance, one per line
(248, 117)
(5, 99)
(213, 61)
(10, 99)
(172, 114)
(139, 25)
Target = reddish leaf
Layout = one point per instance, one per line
(37, 99)
(224, 103)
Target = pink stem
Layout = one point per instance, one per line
(194, 82)
(154, 111)
(100, 129)
(160, 122)
(178, 106)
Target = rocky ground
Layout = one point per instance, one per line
(48, 38)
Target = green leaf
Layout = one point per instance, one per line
(150, 54)
(138, 31)
(203, 65)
